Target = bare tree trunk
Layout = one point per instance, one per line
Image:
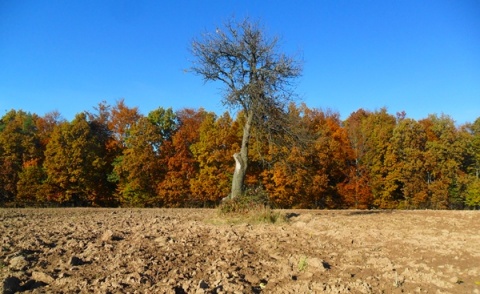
(241, 160)
(238, 176)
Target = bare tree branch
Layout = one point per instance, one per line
(258, 78)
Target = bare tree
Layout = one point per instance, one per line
(257, 77)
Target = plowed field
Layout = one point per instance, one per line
(195, 251)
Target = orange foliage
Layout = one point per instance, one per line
(174, 189)
(372, 159)
(213, 152)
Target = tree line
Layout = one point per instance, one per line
(115, 156)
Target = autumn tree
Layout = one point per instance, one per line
(286, 172)
(472, 149)
(307, 171)
(218, 140)
(45, 126)
(100, 125)
(472, 198)
(179, 161)
(19, 144)
(379, 126)
(443, 158)
(287, 180)
(471, 163)
(356, 190)
(30, 185)
(332, 157)
(138, 170)
(405, 181)
(121, 118)
(257, 79)
(75, 163)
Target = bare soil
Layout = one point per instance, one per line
(195, 251)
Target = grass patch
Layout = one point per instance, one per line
(253, 207)
(302, 264)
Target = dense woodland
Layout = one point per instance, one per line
(115, 156)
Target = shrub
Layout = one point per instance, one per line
(253, 206)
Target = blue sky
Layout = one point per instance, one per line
(422, 57)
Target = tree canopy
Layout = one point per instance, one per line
(182, 158)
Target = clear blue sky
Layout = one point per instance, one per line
(422, 57)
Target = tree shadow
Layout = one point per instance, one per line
(367, 212)
(291, 215)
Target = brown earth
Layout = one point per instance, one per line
(194, 251)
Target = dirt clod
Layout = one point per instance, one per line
(42, 277)
(18, 263)
(107, 236)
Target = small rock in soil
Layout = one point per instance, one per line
(107, 236)
(254, 280)
(18, 263)
(455, 280)
(42, 277)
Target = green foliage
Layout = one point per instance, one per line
(302, 264)
(137, 170)
(472, 198)
(165, 121)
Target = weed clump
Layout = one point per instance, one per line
(252, 206)
(302, 264)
